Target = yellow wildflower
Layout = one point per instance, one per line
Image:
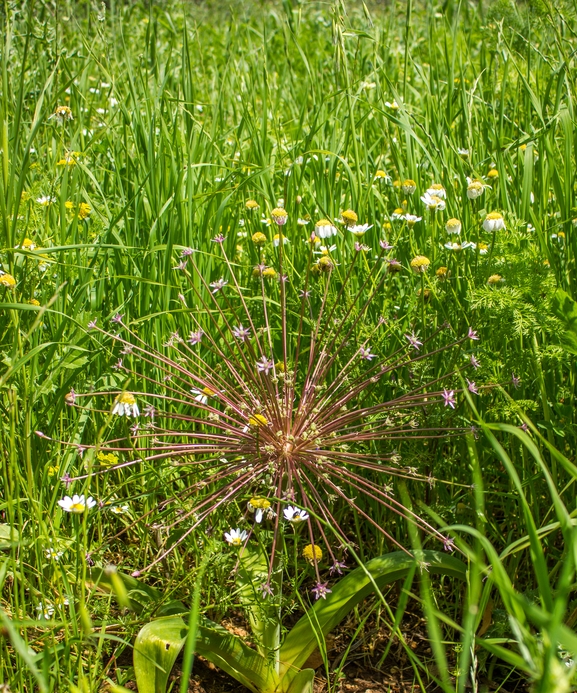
(313, 554)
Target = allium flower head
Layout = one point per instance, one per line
(283, 403)
(320, 590)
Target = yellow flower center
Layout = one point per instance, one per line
(494, 215)
(126, 398)
(252, 204)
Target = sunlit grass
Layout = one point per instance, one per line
(180, 115)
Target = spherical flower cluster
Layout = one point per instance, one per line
(312, 553)
(125, 405)
(420, 264)
(251, 205)
(259, 238)
(493, 222)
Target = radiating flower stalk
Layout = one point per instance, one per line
(277, 400)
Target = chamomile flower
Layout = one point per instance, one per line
(279, 216)
(236, 537)
(125, 405)
(437, 190)
(77, 504)
(62, 113)
(295, 515)
(393, 105)
(434, 203)
(45, 200)
(45, 611)
(475, 188)
(412, 219)
(201, 396)
(349, 218)
(493, 174)
(453, 226)
(495, 280)
(494, 222)
(359, 230)
(408, 186)
(7, 280)
(261, 508)
(324, 229)
(259, 238)
(483, 248)
(463, 153)
(251, 205)
(303, 222)
(53, 554)
(278, 238)
(420, 264)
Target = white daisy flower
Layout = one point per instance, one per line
(236, 537)
(493, 222)
(77, 504)
(433, 202)
(45, 200)
(295, 515)
(360, 229)
(125, 405)
(324, 229)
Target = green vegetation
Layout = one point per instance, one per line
(405, 376)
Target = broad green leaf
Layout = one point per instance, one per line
(264, 614)
(229, 653)
(327, 613)
(8, 536)
(156, 648)
(565, 308)
(302, 682)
